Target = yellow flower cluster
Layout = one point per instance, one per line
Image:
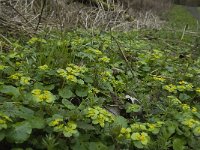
(196, 131)
(34, 40)
(2, 67)
(137, 133)
(3, 121)
(191, 123)
(72, 72)
(150, 127)
(93, 90)
(19, 76)
(198, 90)
(104, 59)
(171, 88)
(174, 100)
(183, 86)
(44, 67)
(159, 78)
(43, 96)
(154, 127)
(16, 76)
(99, 115)
(125, 133)
(186, 107)
(106, 75)
(25, 80)
(93, 51)
(157, 54)
(18, 63)
(68, 129)
(138, 127)
(143, 138)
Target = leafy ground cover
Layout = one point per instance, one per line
(179, 17)
(69, 91)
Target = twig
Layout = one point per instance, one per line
(40, 16)
(18, 13)
(7, 40)
(126, 60)
(184, 30)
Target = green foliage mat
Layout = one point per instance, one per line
(69, 91)
(178, 17)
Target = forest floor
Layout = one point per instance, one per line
(102, 90)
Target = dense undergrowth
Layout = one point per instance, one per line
(69, 91)
(179, 17)
(86, 90)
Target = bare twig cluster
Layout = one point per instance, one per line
(36, 15)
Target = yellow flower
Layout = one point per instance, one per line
(70, 129)
(18, 63)
(171, 88)
(36, 92)
(62, 72)
(198, 90)
(55, 122)
(2, 121)
(105, 59)
(48, 96)
(196, 131)
(190, 122)
(184, 86)
(185, 107)
(143, 137)
(194, 109)
(25, 80)
(94, 90)
(16, 76)
(44, 67)
(125, 132)
(40, 96)
(93, 51)
(69, 69)
(71, 78)
(99, 115)
(182, 82)
(138, 126)
(2, 67)
(174, 100)
(159, 78)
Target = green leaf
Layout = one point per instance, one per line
(85, 126)
(24, 112)
(138, 144)
(178, 144)
(121, 121)
(88, 79)
(184, 97)
(97, 146)
(36, 122)
(20, 132)
(2, 135)
(133, 108)
(68, 104)
(66, 93)
(10, 90)
(80, 146)
(82, 91)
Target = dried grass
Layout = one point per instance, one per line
(30, 15)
